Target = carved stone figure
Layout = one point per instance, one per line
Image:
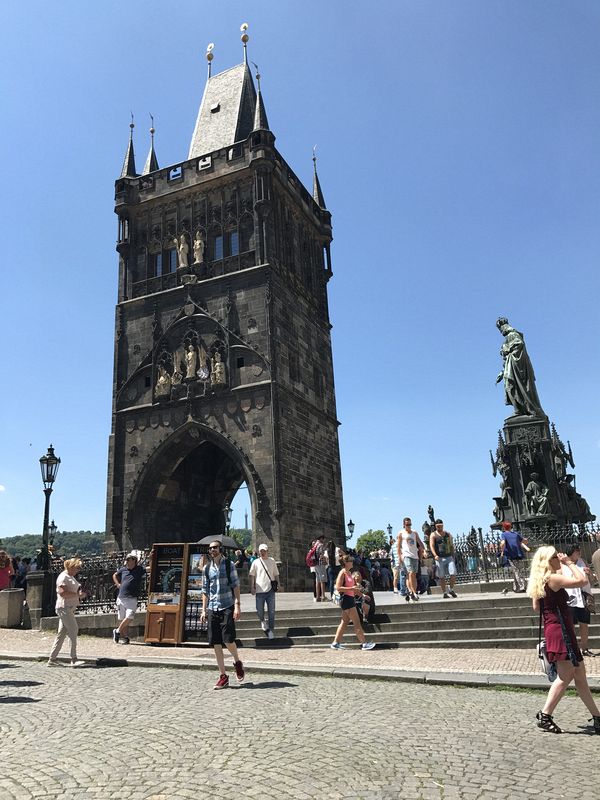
(163, 384)
(217, 375)
(182, 251)
(191, 361)
(198, 248)
(519, 380)
(537, 497)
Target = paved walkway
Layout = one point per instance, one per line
(471, 666)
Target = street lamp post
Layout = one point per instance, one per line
(350, 527)
(49, 465)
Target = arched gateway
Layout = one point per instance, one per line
(223, 365)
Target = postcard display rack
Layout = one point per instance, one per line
(174, 597)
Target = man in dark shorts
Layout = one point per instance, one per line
(577, 603)
(221, 596)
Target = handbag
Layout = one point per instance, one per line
(274, 584)
(337, 597)
(589, 601)
(548, 667)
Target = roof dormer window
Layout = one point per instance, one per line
(215, 108)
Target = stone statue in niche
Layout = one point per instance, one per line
(198, 248)
(191, 361)
(163, 384)
(217, 375)
(537, 497)
(182, 251)
(203, 372)
(519, 380)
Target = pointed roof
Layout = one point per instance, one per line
(226, 112)
(261, 123)
(151, 164)
(128, 170)
(317, 192)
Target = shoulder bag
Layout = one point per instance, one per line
(548, 667)
(274, 584)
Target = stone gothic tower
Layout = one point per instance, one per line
(223, 367)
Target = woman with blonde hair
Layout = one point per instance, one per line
(547, 588)
(347, 587)
(68, 594)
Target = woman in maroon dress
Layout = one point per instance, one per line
(547, 587)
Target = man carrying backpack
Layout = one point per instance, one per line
(221, 596)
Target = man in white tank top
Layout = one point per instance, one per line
(410, 552)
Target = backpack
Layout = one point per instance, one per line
(311, 556)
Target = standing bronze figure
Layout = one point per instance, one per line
(519, 380)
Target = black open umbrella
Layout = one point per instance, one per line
(225, 541)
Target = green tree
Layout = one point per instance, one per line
(371, 540)
(243, 536)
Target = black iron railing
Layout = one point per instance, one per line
(96, 579)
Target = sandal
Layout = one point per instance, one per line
(546, 723)
(588, 653)
(596, 721)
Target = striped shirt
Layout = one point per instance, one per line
(219, 592)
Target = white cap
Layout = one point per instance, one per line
(263, 547)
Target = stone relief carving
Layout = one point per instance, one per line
(536, 494)
(217, 375)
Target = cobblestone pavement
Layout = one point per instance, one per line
(164, 734)
(480, 661)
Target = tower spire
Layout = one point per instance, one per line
(317, 193)
(209, 57)
(261, 123)
(128, 170)
(244, 37)
(151, 164)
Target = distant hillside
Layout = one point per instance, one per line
(66, 543)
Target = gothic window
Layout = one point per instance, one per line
(172, 260)
(157, 265)
(234, 243)
(218, 248)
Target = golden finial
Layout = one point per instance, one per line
(209, 56)
(152, 128)
(131, 124)
(244, 37)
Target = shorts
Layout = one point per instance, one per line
(221, 627)
(347, 602)
(580, 615)
(321, 572)
(446, 566)
(411, 564)
(126, 607)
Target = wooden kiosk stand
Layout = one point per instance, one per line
(175, 594)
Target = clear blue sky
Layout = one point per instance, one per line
(459, 153)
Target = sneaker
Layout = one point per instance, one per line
(336, 646)
(264, 626)
(367, 645)
(77, 664)
(222, 683)
(270, 635)
(411, 598)
(125, 640)
(446, 596)
(239, 671)
(54, 662)
(452, 593)
(116, 636)
(415, 598)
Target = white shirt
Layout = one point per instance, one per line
(575, 594)
(70, 585)
(259, 573)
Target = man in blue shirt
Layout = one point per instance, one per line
(511, 549)
(221, 596)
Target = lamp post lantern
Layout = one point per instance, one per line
(227, 512)
(350, 527)
(49, 464)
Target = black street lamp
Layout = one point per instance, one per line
(350, 527)
(49, 465)
(227, 512)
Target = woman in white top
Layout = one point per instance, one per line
(577, 606)
(68, 594)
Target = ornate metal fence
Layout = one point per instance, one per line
(96, 579)
(478, 553)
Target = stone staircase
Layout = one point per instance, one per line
(482, 623)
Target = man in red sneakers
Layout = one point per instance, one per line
(221, 596)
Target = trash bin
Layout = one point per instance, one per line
(11, 607)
